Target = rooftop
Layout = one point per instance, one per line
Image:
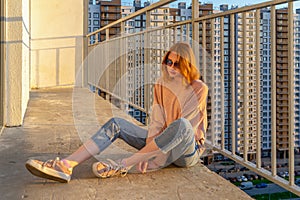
(50, 130)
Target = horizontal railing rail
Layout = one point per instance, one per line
(228, 49)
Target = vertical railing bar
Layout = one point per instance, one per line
(233, 77)
(175, 34)
(160, 52)
(146, 66)
(257, 64)
(291, 91)
(273, 90)
(142, 66)
(195, 29)
(222, 81)
(212, 92)
(96, 39)
(122, 65)
(135, 51)
(188, 33)
(212, 43)
(107, 57)
(203, 49)
(114, 42)
(181, 33)
(170, 36)
(245, 88)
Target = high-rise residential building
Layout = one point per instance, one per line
(245, 83)
(227, 77)
(214, 129)
(94, 17)
(282, 80)
(101, 13)
(265, 82)
(110, 11)
(129, 24)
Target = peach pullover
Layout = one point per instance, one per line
(174, 99)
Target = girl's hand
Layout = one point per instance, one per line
(142, 166)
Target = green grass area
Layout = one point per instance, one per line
(275, 196)
(255, 182)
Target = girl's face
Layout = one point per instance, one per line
(172, 63)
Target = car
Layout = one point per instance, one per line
(246, 185)
(283, 174)
(248, 177)
(261, 185)
(244, 169)
(232, 169)
(254, 176)
(242, 179)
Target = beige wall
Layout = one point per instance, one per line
(41, 46)
(56, 41)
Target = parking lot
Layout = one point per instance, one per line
(237, 173)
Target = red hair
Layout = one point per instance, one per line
(187, 62)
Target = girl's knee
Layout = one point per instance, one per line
(183, 123)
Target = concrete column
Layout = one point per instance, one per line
(15, 65)
(2, 57)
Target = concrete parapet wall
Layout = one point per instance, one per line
(56, 42)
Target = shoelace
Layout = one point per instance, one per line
(51, 162)
(115, 168)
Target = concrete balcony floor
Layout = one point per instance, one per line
(49, 130)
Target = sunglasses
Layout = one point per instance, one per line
(170, 63)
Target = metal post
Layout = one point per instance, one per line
(107, 97)
(203, 50)
(222, 82)
(122, 78)
(146, 66)
(273, 90)
(195, 29)
(3, 66)
(232, 65)
(291, 91)
(257, 64)
(245, 88)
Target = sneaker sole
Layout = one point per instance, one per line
(47, 173)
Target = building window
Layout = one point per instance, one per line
(96, 15)
(96, 22)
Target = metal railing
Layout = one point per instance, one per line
(126, 66)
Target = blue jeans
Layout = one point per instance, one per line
(177, 139)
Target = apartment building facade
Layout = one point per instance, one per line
(245, 83)
(265, 82)
(102, 13)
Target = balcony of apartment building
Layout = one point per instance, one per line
(110, 9)
(110, 17)
(52, 99)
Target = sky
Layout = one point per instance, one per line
(216, 3)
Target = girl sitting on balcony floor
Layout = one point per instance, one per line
(175, 135)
